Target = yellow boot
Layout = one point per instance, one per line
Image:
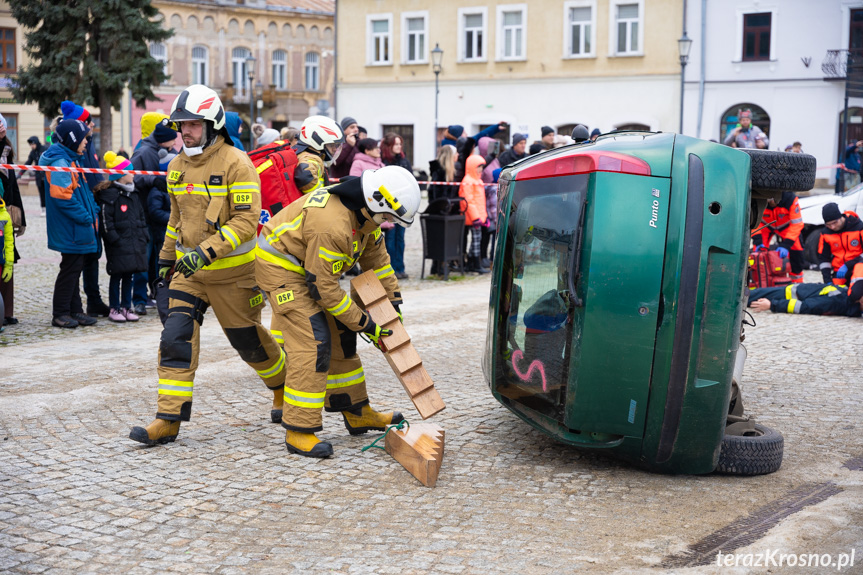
(307, 444)
(278, 404)
(363, 419)
(159, 431)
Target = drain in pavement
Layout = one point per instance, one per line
(752, 527)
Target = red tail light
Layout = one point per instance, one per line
(584, 163)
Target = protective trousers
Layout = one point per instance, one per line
(237, 304)
(322, 368)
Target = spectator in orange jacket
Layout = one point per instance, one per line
(472, 189)
(785, 221)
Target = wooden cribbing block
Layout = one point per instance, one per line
(367, 289)
(419, 448)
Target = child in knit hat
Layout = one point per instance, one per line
(124, 229)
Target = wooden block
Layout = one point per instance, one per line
(419, 448)
(400, 353)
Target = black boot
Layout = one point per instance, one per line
(474, 265)
(97, 308)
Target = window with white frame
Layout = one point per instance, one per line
(415, 44)
(313, 67)
(200, 56)
(380, 39)
(579, 28)
(472, 34)
(280, 69)
(512, 33)
(627, 31)
(160, 53)
(238, 69)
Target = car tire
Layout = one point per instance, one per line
(810, 248)
(774, 172)
(756, 454)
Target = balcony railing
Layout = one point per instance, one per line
(837, 63)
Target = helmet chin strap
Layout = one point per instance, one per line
(210, 140)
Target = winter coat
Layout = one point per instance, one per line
(124, 228)
(437, 191)
(146, 157)
(90, 160)
(473, 190)
(852, 158)
(342, 166)
(11, 193)
(508, 157)
(363, 162)
(232, 125)
(7, 242)
(71, 210)
(399, 160)
(33, 158)
(159, 208)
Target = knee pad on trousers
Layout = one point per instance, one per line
(247, 342)
(347, 339)
(175, 345)
(199, 306)
(321, 331)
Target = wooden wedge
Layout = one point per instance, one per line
(419, 448)
(400, 353)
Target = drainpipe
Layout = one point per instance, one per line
(701, 67)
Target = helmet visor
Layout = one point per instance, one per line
(332, 151)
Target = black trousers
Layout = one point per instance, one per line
(90, 275)
(67, 294)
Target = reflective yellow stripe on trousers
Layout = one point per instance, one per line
(339, 380)
(175, 387)
(270, 372)
(304, 398)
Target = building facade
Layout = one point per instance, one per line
(784, 61)
(608, 64)
(292, 43)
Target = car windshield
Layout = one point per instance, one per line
(535, 322)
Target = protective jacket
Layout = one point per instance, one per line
(124, 228)
(310, 173)
(812, 299)
(215, 205)
(785, 221)
(837, 248)
(320, 237)
(73, 217)
(7, 246)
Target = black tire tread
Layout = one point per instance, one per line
(781, 171)
(751, 455)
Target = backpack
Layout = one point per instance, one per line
(275, 164)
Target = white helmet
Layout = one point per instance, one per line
(324, 135)
(198, 102)
(392, 190)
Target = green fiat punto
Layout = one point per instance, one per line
(618, 296)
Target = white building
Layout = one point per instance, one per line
(767, 55)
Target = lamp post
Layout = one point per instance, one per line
(259, 98)
(250, 72)
(437, 56)
(683, 46)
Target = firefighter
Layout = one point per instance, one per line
(209, 242)
(840, 244)
(813, 299)
(301, 253)
(784, 220)
(318, 146)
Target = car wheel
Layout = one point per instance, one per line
(810, 248)
(758, 453)
(775, 172)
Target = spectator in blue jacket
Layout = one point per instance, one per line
(852, 164)
(232, 124)
(454, 132)
(72, 218)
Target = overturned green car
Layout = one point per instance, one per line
(618, 294)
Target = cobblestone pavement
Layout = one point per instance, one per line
(77, 496)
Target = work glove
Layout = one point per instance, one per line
(840, 273)
(759, 247)
(165, 267)
(783, 253)
(398, 311)
(191, 262)
(7, 272)
(375, 332)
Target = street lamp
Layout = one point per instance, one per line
(250, 72)
(259, 97)
(437, 56)
(683, 46)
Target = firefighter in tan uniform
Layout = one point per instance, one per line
(210, 240)
(318, 145)
(300, 254)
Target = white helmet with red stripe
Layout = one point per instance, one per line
(198, 102)
(324, 135)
